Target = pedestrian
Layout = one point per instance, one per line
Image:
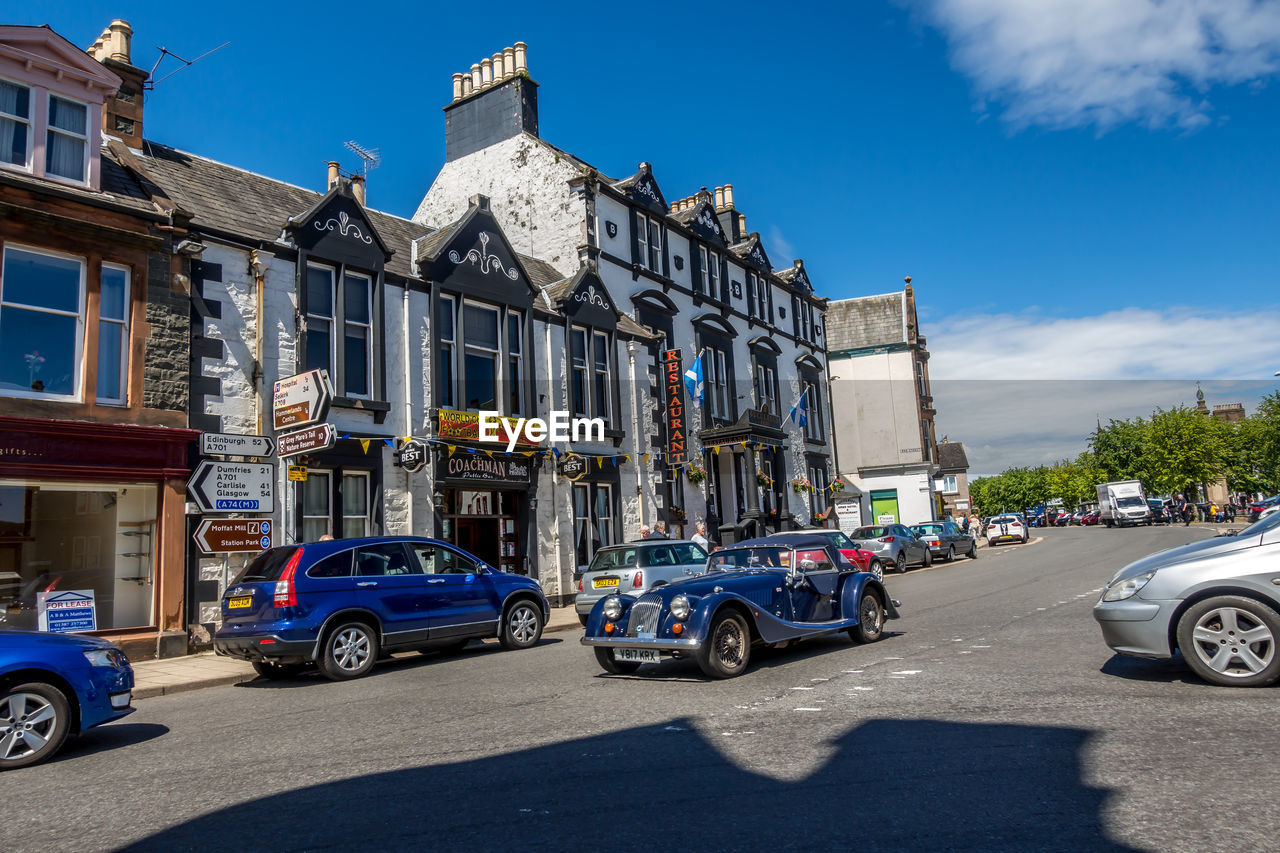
(964, 524)
(645, 532)
(1181, 509)
(700, 536)
(659, 531)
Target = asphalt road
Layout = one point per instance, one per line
(992, 717)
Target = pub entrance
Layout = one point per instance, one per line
(484, 522)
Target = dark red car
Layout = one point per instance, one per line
(864, 560)
(1090, 518)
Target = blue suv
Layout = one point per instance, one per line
(341, 604)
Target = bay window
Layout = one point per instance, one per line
(66, 152)
(42, 296)
(15, 124)
(113, 335)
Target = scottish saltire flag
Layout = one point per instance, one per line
(800, 411)
(693, 381)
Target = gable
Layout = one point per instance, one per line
(643, 190)
(589, 302)
(40, 52)
(756, 256)
(706, 225)
(338, 229)
(477, 259)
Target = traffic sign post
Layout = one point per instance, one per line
(301, 400)
(232, 535)
(227, 444)
(306, 440)
(233, 486)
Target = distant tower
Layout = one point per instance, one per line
(1200, 406)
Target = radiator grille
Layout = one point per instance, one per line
(644, 615)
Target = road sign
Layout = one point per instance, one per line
(413, 455)
(305, 440)
(228, 535)
(297, 473)
(302, 399)
(234, 486)
(226, 444)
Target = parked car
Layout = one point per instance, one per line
(1258, 507)
(1214, 601)
(866, 561)
(1063, 519)
(344, 603)
(945, 540)
(1161, 511)
(1006, 528)
(53, 686)
(1090, 518)
(893, 544)
(636, 566)
(774, 591)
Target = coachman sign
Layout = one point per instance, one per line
(472, 466)
(673, 393)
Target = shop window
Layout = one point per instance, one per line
(316, 496)
(355, 505)
(94, 539)
(446, 324)
(15, 125)
(593, 515)
(66, 152)
(41, 333)
(113, 335)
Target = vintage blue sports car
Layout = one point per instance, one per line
(773, 591)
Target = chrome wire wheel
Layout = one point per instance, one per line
(729, 643)
(351, 648)
(1233, 642)
(28, 722)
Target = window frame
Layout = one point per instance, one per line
(600, 396)
(579, 381)
(483, 349)
(327, 474)
(514, 393)
(86, 138)
(77, 380)
(368, 327)
(950, 484)
(716, 373)
(592, 491)
(29, 121)
(450, 381)
(122, 380)
(813, 427)
(367, 517)
(331, 319)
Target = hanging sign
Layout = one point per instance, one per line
(573, 467)
(413, 455)
(454, 425)
(475, 466)
(673, 392)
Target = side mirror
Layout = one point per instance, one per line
(808, 565)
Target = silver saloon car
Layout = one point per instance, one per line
(636, 567)
(1216, 601)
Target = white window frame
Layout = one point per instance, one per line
(122, 381)
(368, 339)
(703, 286)
(584, 368)
(29, 121)
(515, 358)
(332, 319)
(716, 375)
(51, 129)
(766, 382)
(713, 278)
(950, 484)
(602, 407)
(813, 411)
(499, 383)
(603, 523)
(642, 238)
(751, 294)
(655, 244)
(450, 343)
(818, 480)
(327, 474)
(367, 517)
(78, 361)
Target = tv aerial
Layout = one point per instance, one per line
(186, 63)
(371, 157)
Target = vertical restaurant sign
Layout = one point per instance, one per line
(673, 393)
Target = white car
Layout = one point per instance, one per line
(1006, 528)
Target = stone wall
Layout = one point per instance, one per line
(164, 376)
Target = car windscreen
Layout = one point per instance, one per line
(728, 559)
(840, 540)
(931, 529)
(267, 566)
(613, 558)
(1005, 519)
(1262, 525)
(1129, 501)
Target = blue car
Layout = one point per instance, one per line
(55, 685)
(342, 604)
(773, 591)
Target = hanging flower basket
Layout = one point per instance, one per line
(800, 485)
(837, 485)
(697, 475)
(764, 482)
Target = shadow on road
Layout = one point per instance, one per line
(111, 736)
(889, 785)
(1166, 671)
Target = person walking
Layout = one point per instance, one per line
(700, 537)
(1182, 510)
(659, 531)
(645, 532)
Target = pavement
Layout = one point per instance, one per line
(206, 669)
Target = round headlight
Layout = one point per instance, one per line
(680, 607)
(612, 608)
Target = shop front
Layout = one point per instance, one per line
(92, 520)
(486, 506)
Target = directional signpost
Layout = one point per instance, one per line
(301, 400)
(306, 440)
(233, 486)
(230, 535)
(226, 444)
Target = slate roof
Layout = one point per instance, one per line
(560, 291)
(951, 457)
(865, 321)
(119, 189)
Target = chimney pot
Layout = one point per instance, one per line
(333, 173)
(522, 57)
(457, 87)
(357, 189)
(466, 85)
(728, 195)
(509, 61)
(120, 35)
(475, 77)
(719, 197)
(499, 68)
(486, 73)
(742, 223)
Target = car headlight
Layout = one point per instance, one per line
(680, 607)
(612, 607)
(106, 657)
(1126, 588)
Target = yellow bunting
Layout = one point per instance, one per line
(646, 459)
(453, 448)
(599, 461)
(716, 449)
(364, 444)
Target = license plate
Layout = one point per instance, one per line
(637, 655)
(241, 601)
(604, 583)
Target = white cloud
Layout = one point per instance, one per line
(1134, 343)
(780, 250)
(1066, 63)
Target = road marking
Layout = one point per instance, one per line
(863, 688)
(1041, 608)
(819, 679)
(675, 729)
(801, 688)
(909, 672)
(979, 647)
(807, 709)
(852, 671)
(965, 652)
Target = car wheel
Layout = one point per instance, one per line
(951, 553)
(927, 560)
(900, 564)
(583, 617)
(610, 664)
(973, 550)
(521, 626)
(34, 720)
(277, 671)
(350, 651)
(876, 568)
(727, 648)
(1231, 640)
(870, 625)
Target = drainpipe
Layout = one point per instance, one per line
(555, 475)
(259, 261)
(635, 423)
(408, 401)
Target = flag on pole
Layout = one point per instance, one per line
(800, 411)
(693, 381)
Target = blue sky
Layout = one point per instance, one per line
(1056, 170)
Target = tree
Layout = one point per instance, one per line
(1184, 448)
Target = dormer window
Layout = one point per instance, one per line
(15, 124)
(649, 242)
(66, 150)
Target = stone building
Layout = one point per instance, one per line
(880, 385)
(951, 481)
(93, 353)
(691, 273)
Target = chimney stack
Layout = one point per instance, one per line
(474, 121)
(719, 197)
(122, 113)
(521, 52)
(333, 175)
(357, 188)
